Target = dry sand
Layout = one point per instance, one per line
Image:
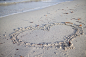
(55, 31)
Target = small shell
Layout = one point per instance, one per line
(39, 44)
(45, 45)
(20, 40)
(48, 28)
(52, 44)
(71, 12)
(65, 13)
(68, 23)
(55, 23)
(49, 44)
(45, 15)
(16, 29)
(79, 18)
(28, 27)
(80, 25)
(60, 47)
(13, 38)
(46, 25)
(13, 42)
(33, 44)
(61, 24)
(68, 37)
(58, 23)
(31, 22)
(27, 43)
(4, 35)
(32, 29)
(20, 28)
(56, 44)
(51, 24)
(37, 25)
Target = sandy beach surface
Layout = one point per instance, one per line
(55, 31)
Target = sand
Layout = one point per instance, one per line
(55, 31)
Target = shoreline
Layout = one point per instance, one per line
(37, 8)
(63, 26)
(14, 2)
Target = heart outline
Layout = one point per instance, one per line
(58, 44)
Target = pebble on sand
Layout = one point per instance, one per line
(4, 35)
(31, 22)
(71, 12)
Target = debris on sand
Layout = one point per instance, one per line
(65, 13)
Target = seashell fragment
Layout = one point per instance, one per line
(69, 43)
(52, 44)
(28, 27)
(68, 23)
(71, 12)
(31, 22)
(48, 28)
(45, 45)
(39, 44)
(4, 35)
(65, 13)
(79, 18)
(33, 44)
(45, 15)
(14, 42)
(16, 29)
(27, 43)
(49, 44)
(80, 25)
(37, 25)
(51, 24)
(55, 23)
(58, 46)
(13, 38)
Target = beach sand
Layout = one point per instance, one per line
(55, 31)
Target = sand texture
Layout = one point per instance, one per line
(55, 31)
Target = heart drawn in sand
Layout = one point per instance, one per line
(56, 35)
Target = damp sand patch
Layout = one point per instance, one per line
(57, 35)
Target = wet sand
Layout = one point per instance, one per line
(55, 31)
